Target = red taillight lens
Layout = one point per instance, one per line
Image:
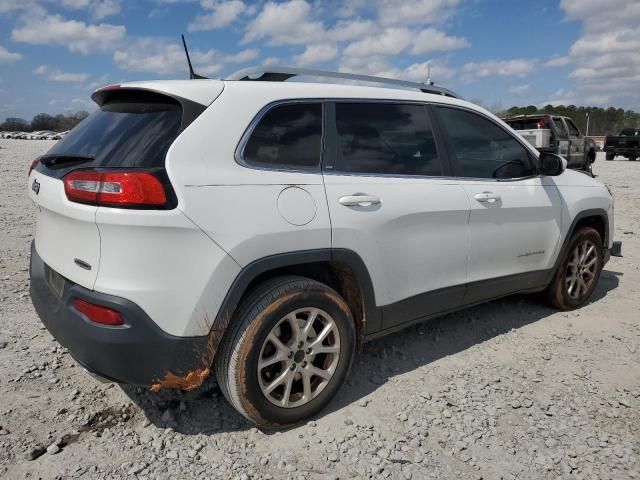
(138, 188)
(83, 186)
(98, 314)
(33, 165)
(114, 188)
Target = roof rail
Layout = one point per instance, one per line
(280, 74)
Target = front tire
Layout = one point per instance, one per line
(288, 350)
(578, 272)
(610, 156)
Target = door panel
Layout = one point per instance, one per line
(413, 241)
(389, 203)
(514, 221)
(513, 231)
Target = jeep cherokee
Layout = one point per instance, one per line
(263, 230)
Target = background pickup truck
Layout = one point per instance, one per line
(627, 144)
(556, 135)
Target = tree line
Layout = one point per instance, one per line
(44, 121)
(602, 121)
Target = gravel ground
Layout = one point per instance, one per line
(509, 389)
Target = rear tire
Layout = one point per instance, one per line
(610, 156)
(632, 159)
(288, 350)
(578, 271)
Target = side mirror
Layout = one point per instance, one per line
(551, 164)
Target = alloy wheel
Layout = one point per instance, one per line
(299, 357)
(581, 269)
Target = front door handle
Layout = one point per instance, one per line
(359, 200)
(487, 197)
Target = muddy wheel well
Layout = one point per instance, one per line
(596, 222)
(338, 275)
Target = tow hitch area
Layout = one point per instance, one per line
(616, 249)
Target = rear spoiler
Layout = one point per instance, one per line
(116, 93)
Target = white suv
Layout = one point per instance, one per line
(266, 229)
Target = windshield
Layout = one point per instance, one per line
(124, 134)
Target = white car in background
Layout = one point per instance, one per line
(263, 230)
(38, 135)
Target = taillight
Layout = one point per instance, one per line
(33, 165)
(97, 313)
(83, 186)
(117, 188)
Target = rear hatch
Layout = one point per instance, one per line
(129, 134)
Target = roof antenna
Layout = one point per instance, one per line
(429, 81)
(192, 75)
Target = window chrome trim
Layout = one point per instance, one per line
(239, 151)
(244, 139)
(388, 175)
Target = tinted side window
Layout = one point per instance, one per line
(385, 138)
(287, 136)
(481, 148)
(562, 130)
(573, 130)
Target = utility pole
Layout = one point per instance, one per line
(586, 134)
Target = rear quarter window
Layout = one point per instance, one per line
(287, 136)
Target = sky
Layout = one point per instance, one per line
(54, 53)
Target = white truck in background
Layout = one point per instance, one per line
(555, 134)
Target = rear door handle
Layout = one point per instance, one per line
(487, 197)
(359, 200)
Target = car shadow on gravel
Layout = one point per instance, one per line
(205, 411)
(441, 337)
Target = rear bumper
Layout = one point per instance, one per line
(623, 151)
(138, 352)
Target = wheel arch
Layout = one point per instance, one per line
(341, 269)
(596, 218)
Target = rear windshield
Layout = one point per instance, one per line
(527, 123)
(630, 132)
(125, 134)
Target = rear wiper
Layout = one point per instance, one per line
(53, 161)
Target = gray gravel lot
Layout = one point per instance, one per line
(510, 389)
